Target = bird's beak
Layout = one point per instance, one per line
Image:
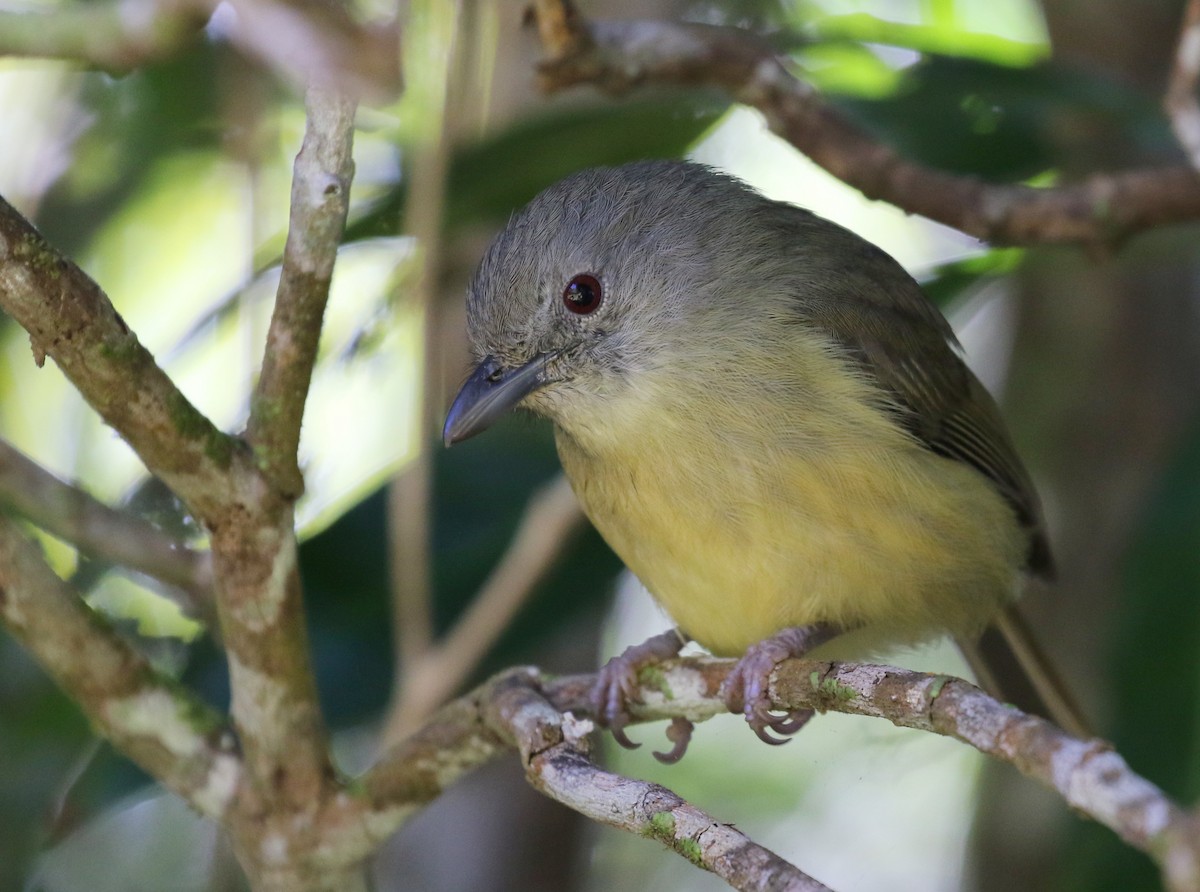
(490, 392)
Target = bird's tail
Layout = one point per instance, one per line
(1011, 666)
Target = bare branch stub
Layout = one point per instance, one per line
(103, 532)
(618, 56)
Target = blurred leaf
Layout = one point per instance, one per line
(487, 180)
(162, 843)
(938, 37)
(1155, 666)
(41, 734)
(847, 68)
(949, 280)
(1003, 123)
(133, 121)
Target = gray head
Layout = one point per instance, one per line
(588, 284)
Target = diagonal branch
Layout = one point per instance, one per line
(619, 56)
(70, 319)
(320, 202)
(551, 518)
(103, 532)
(172, 735)
(1181, 102)
(313, 42)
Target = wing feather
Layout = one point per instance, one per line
(868, 303)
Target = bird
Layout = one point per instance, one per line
(762, 414)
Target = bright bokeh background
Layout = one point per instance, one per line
(170, 186)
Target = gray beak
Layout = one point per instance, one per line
(490, 392)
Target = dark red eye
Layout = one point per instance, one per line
(583, 294)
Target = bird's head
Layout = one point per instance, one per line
(587, 287)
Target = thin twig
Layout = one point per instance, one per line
(303, 40)
(1181, 103)
(171, 734)
(409, 513)
(617, 57)
(410, 496)
(116, 36)
(552, 517)
(311, 42)
(554, 751)
(71, 320)
(103, 532)
(320, 201)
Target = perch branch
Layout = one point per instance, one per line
(103, 532)
(554, 752)
(1089, 776)
(1181, 103)
(618, 56)
(172, 735)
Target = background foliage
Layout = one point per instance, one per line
(168, 184)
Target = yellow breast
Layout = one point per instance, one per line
(747, 513)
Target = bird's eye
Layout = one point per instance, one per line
(583, 294)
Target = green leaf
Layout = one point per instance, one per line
(491, 178)
(1002, 123)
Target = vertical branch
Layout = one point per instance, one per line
(1181, 103)
(320, 201)
(274, 698)
(410, 495)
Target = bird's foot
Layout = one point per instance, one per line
(747, 687)
(617, 686)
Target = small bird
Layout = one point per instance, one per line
(761, 413)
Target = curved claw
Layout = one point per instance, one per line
(679, 732)
(761, 732)
(791, 722)
(616, 727)
(763, 722)
(746, 689)
(617, 686)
